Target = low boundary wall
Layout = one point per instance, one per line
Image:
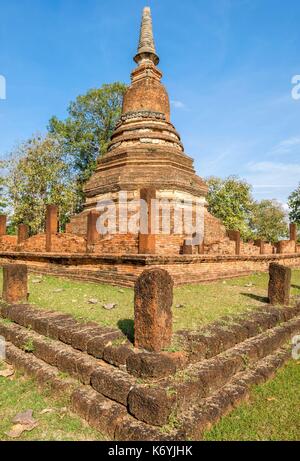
(123, 270)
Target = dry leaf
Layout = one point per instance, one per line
(47, 410)
(18, 429)
(7, 372)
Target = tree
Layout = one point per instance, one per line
(294, 205)
(3, 197)
(268, 221)
(88, 129)
(230, 200)
(40, 174)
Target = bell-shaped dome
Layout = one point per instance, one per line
(146, 93)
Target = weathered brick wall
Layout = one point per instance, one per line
(249, 249)
(61, 243)
(123, 271)
(8, 242)
(268, 248)
(225, 247)
(169, 244)
(214, 230)
(117, 244)
(286, 247)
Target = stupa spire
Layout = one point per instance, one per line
(146, 49)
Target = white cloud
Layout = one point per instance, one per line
(178, 104)
(287, 146)
(274, 167)
(273, 179)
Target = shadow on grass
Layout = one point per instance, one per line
(296, 286)
(262, 299)
(127, 327)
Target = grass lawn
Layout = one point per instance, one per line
(272, 413)
(202, 303)
(21, 393)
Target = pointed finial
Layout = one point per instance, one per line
(146, 49)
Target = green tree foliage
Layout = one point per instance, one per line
(3, 196)
(39, 174)
(230, 200)
(269, 221)
(294, 205)
(88, 129)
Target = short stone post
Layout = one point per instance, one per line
(187, 248)
(147, 241)
(293, 232)
(15, 283)
(92, 234)
(235, 236)
(3, 219)
(51, 225)
(22, 233)
(153, 310)
(194, 245)
(279, 284)
(261, 245)
(280, 247)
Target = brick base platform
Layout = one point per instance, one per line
(123, 270)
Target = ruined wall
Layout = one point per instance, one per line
(123, 271)
(117, 244)
(286, 247)
(249, 249)
(8, 242)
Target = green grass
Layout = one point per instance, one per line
(271, 414)
(21, 393)
(202, 303)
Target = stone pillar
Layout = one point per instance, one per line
(153, 310)
(261, 245)
(235, 236)
(22, 233)
(293, 232)
(187, 248)
(147, 241)
(15, 283)
(92, 234)
(51, 225)
(194, 245)
(201, 249)
(3, 219)
(280, 247)
(279, 284)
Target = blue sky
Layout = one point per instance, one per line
(228, 66)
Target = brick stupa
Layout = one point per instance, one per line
(145, 151)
